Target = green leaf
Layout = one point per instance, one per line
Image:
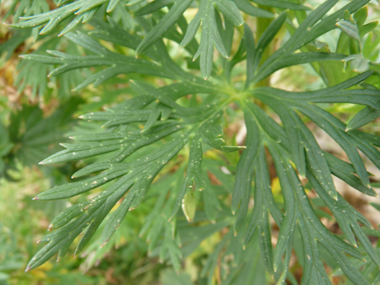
(348, 219)
(354, 96)
(167, 138)
(267, 37)
(345, 172)
(118, 64)
(281, 4)
(189, 205)
(116, 218)
(336, 129)
(212, 132)
(295, 59)
(84, 9)
(187, 198)
(309, 30)
(210, 35)
(244, 171)
(293, 127)
(250, 47)
(248, 8)
(349, 29)
(177, 9)
(362, 118)
(357, 62)
(289, 182)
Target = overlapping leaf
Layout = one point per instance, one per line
(310, 29)
(294, 195)
(131, 179)
(118, 64)
(83, 9)
(207, 15)
(145, 133)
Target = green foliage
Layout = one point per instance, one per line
(29, 135)
(169, 145)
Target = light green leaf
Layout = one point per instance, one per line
(84, 9)
(350, 29)
(189, 205)
(357, 62)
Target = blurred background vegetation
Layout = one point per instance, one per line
(37, 113)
